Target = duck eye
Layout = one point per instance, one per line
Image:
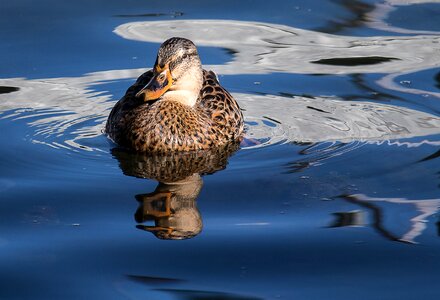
(161, 77)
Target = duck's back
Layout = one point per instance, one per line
(164, 126)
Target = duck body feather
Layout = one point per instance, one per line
(164, 126)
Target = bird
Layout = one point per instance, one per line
(175, 107)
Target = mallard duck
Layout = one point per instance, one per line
(176, 106)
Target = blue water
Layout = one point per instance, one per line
(333, 194)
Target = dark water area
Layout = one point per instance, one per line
(334, 193)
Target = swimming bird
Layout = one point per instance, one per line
(176, 106)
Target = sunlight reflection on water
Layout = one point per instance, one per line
(73, 109)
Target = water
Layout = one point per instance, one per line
(333, 194)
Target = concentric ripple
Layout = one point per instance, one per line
(274, 119)
(66, 113)
(69, 113)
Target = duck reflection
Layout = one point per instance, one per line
(172, 206)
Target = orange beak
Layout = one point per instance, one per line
(158, 85)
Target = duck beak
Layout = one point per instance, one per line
(158, 85)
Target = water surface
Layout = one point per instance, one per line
(333, 193)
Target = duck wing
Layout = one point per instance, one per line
(115, 125)
(220, 107)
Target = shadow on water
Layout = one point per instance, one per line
(369, 205)
(359, 11)
(317, 153)
(152, 15)
(172, 205)
(437, 79)
(367, 91)
(431, 156)
(353, 61)
(185, 294)
(8, 89)
(204, 295)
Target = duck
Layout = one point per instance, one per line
(175, 107)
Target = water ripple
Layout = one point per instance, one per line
(261, 48)
(68, 117)
(69, 112)
(275, 119)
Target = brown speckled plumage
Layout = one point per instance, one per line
(161, 126)
(175, 166)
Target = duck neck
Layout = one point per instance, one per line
(186, 88)
(185, 97)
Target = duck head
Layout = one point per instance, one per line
(177, 73)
